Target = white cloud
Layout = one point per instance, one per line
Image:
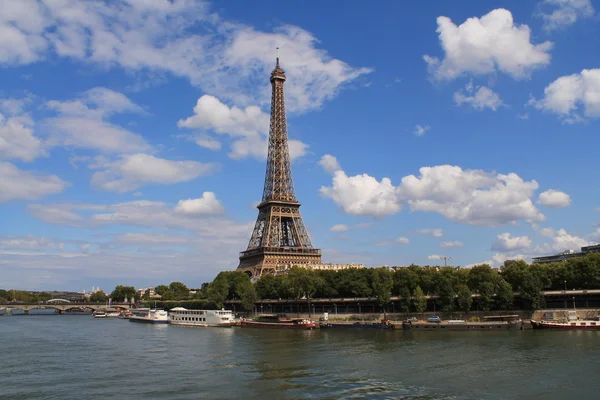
(554, 198)
(29, 243)
(55, 214)
(569, 95)
(205, 205)
(486, 45)
(329, 163)
(17, 140)
(195, 247)
(16, 184)
(435, 232)
(153, 239)
(471, 197)
(208, 142)
(506, 243)
(135, 170)
(420, 129)
(180, 37)
(565, 13)
(561, 240)
(402, 240)
(595, 235)
(361, 194)
(479, 98)
(448, 245)
(83, 123)
(398, 240)
(436, 257)
(339, 228)
(248, 127)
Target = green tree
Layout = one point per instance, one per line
(486, 295)
(179, 291)
(217, 291)
(121, 292)
(446, 292)
(98, 297)
(464, 298)
(405, 299)
(480, 274)
(419, 300)
(267, 287)
(248, 295)
(504, 295)
(382, 283)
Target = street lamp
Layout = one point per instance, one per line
(565, 285)
(574, 303)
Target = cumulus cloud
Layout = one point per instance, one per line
(421, 129)
(330, 164)
(339, 228)
(478, 98)
(472, 197)
(361, 194)
(16, 184)
(398, 240)
(554, 198)
(572, 96)
(181, 37)
(565, 13)
(485, 45)
(435, 232)
(17, 139)
(135, 170)
(84, 123)
(448, 245)
(560, 240)
(248, 127)
(205, 205)
(506, 243)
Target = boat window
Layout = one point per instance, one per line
(573, 323)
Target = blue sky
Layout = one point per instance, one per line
(132, 135)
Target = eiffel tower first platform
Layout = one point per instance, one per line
(279, 238)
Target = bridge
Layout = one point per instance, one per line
(63, 306)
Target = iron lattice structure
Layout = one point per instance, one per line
(279, 238)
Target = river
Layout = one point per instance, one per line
(76, 357)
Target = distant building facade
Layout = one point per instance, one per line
(567, 255)
(319, 267)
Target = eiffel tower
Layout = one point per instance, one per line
(279, 238)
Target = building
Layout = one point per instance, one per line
(567, 255)
(282, 269)
(279, 237)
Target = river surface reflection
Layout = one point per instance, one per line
(75, 357)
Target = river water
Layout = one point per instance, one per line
(76, 357)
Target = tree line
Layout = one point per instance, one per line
(454, 286)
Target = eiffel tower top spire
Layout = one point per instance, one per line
(279, 185)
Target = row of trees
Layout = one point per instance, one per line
(454, 286)
(23, 296)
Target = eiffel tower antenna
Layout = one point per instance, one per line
(279, 238)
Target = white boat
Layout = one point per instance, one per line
(149, 315)
(183, 316)
(99, 314)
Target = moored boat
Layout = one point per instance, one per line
(99, 314)
(149, 315)
(278, 321)
(383, 324)
(490, 323)
(217, 318)
(571, 325)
